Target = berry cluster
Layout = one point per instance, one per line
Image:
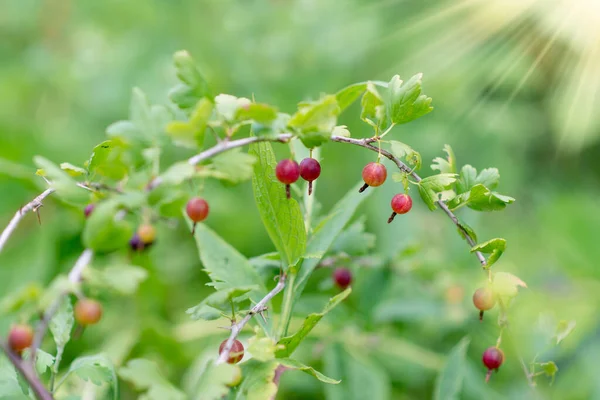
(288, 171)
(374, 174)
(484, 299)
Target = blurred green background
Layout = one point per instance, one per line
(515, 85)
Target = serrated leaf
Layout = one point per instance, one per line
(106, 161)
(348, 95)
(493, 247)
(564, 329)
(405, 101)
(65, 186)
(258, 380)
(326, 232)
(43, 361)
(482, 199)
(228, 106)
(191, 133)
(72, 170)
(97, 369)
(145, 376)
(292, 342)
(372, 107)
(281, 216)
(193, 86)
(293, 364)
(211, 306)
(449, 380)
(506, 284)
(258, 112)
(234, 166)
(102, 232)
(214, 381)
(61, 325)
(315, 120)
(402, 150)
(445, 165)
(123, 279)
(11, 386)
(431, 187)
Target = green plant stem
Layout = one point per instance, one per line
(287, 304)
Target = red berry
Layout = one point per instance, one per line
(87, 312)
(20, 337)
(373, 174)
(492, 359)
(342, 277)
(287, 172)
(88, 210)
(237, 351)
(484, 299)
(401, 204)
(310, 169)
(197, 209)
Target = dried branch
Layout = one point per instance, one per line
(257, 309)
(33, 205)
(28, 373)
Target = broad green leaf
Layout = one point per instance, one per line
(480, 198)
(72, 170)
(258, 380)
(469, 231)
(102, 232)
(145, 376)
(106, 161)
(16, 299)
(563, 330)
(193, 86)
(468, 178)
(123, 279)
(258, 112)
(191, 133)
(281, 216)
(66, 187)
(493, 247)
(431, 187)
(211, 307)
(354, 240)
(178, 173)
(449, 381)
(234, 166)
(169, 199)
(214, 381)
(315, 120)
(349, 94)
(405, 101)
(227, 105)
(445, 165)
(327, 231)
(402, 150)
(227, 268)
(262, 348)
(43, 361)
(506, 284)
(150, 120)
(11, 386)
(61, 325)
(372, 107)
(360, 377)
(278, 126)
(292, 342)
(293, 364)
(97, 369)
(341, 130)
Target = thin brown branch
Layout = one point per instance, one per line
(257, 309)
(33, 205)
(27, 372)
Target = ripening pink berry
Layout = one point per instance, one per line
(374, 174)
(492, 358)
(237, 351)
(287, 172)
(401, 204)
(342, 277)
(310, 169)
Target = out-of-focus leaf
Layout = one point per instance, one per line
(405, 101)
(341, 130)
(354, 240)
(373, 107)
(235, 166)
(281, 216)
(346, 96)
(563, 330)
(106, 160)
(228, 106)
(262, 348)
(193, 86)
(315, 121)
(402, 150)
(61, 325)
(258, 380)
(258, 112)
(292, 342)
(449, 381)
(293, 364)
(549, 368)
(506, 284)
(191, 133)
(493, 247)
(123, 279)
(97, 369)
(445, 165)
(72, 170)
(214, 381)
(103, 232)
(145, 376)
(13, 301)
(210, 308)
(65, 186)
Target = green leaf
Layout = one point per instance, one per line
(563, 330)
(549, 368)
(211, 306)
(405, 101)
(327, 231)
(97, 369)
(150, 120)
(72, 170)
(360, 377)
(349, 94)
(258, 112)
(20, 297)
(123, 279)
(262, 348)
(506, 284)
(258, 380)
(372, 107)
(43, 361)
(315, 120)
(445, 165)
(281, 216)
(106, 161)
(102, 232)
(57, 288)
(227, 106)
(493, 247)
(178, 173)
(354, 240)
(145, 376)
(480, 198)
(234, 166)
(65, 186)
(293, 364)
(169, 199)
(191, 133)
(341, 130)
(449, 381)
(469, 231)
(193, 86)
(227, 268)
(468, 178)
(292, 342)
(402, 150)
(12, 387)
(61, 325)
(214, 381)
(431, 187)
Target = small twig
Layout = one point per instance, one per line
(257, 309)
(27, 372)
(33, 205)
